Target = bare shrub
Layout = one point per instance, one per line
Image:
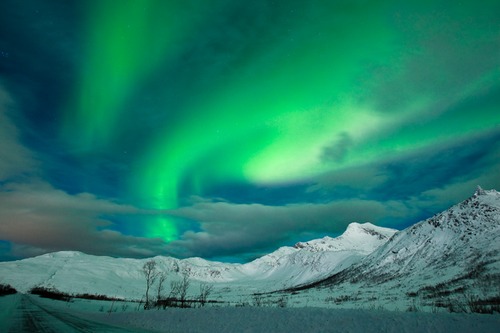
(180, 288)
(282, 302)
(257, 300)
(414, 307)
(98, 297)
(205, 291)
(242, 304)
(150, 274)
(162, 277)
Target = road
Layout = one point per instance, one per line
(28, 315)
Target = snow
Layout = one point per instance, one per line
(363, 238)
(271, 319)
(277, 320)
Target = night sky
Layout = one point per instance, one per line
(224, 129)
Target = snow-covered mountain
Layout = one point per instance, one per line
(363, 238)
(310, 261)
(456, 250)
(453, 254)
(76, 272)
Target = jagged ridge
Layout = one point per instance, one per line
(460, 243)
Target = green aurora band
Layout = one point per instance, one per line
(267, 114)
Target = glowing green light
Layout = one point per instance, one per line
(261, 110)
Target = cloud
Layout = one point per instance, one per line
(409, 173)
(16, 160)
(36, 218)
(232, 229)
(441, 164)
(338, 150)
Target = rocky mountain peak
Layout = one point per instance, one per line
(479, 191)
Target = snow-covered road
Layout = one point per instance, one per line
(22, 313)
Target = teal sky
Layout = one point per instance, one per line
(224, 129)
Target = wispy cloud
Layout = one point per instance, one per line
(37, 218)
(338, 149)
(409, 173)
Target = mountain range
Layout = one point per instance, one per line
(461, 243)
(454, 252)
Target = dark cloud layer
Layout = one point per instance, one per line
(37, 218)
(229, 229)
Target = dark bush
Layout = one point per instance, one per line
(488, 305)
(50, 293)
(97, 297)
(7, 289)
(172, 302)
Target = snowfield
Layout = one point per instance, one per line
(228, 319)
(304, 320)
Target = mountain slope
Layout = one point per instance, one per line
(458, 249)
(316, 259)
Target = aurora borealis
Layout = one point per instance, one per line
(224, 129)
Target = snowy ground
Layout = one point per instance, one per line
(223, 319)
(267, 319)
